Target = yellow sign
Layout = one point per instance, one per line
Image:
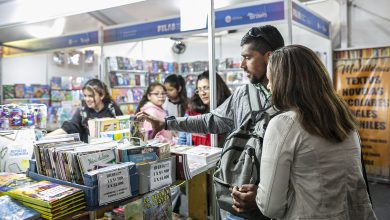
(364, 84)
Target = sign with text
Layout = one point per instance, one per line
(160, 174)
(310, 20)
(273, 11)
(114, 185)
(363, 84)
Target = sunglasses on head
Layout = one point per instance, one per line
(257, 33)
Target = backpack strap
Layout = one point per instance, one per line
(254, 98)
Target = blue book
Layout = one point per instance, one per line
(12, 209)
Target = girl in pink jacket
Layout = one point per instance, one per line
(151, 103)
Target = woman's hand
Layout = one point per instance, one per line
(158, 124)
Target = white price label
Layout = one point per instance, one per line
(160, 174)
(114, 185)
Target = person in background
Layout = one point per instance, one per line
(311, 161)
(200, 104)
(151, 103)
(256, 47)
(97, 103)
(177, 101)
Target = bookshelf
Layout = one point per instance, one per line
(24, 93)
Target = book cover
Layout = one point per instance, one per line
(119, 79)
(92, 161)
(9, 91)
(44, 193)
(137, 79)
(120, 62)
(19, 91)
(112, 78)
(77, 83)
(126, 63)
(28, 91)
(11, 181)
(66, 82)
(137, 94)
(45, 91)
(113, 64)
(37, 90)
(158, 205)
(55, 82)
(11, 209)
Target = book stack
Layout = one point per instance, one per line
(114, 128)
(69, 160)
(51, 200)
(192, 160)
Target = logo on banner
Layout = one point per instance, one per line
(228, 19)
(257, 15)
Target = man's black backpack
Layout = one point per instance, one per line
(240, 159)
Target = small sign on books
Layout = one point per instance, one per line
(114, 185)
(160, 174)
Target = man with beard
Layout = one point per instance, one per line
(256, 47)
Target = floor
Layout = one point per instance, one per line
(380, 194)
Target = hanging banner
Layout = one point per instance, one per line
(310, 20)
(273, 11)
(362, 79)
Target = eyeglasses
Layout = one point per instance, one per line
(158, 94)
(202, 89)
(257, 33)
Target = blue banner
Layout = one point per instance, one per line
(76, 40)
(310, 20)
(226, 18)
(249, 15)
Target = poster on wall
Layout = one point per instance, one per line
(362, 80)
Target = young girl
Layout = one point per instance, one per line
(97, 103)
(151, 103)
(177, 101)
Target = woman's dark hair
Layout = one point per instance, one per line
(145, 99)
(96, 86)
(301, 83)
(223, 93)
(179, 84)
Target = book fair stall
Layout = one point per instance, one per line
(122, 173)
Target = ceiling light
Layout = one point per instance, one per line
(44, 32)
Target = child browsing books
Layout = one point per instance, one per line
(176, 103)
(97, 103)
(151, 103)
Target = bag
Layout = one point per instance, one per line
(240, 158)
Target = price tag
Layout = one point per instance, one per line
(114, 185)
(160, 174)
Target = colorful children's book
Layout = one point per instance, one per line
(66, 82)
(11, 181)
(157, 205)
(55, 82)
(45, 193)
(19, 91)
(28, 91)
(9, 91)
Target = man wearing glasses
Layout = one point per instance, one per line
(256, 47)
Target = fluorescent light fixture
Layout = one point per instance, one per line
(30, 11)
(44, 32)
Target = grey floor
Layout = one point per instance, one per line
(380, 195)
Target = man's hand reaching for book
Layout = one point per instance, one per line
(158, 124)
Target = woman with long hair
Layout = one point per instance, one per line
(97, 103)
(200, 104)
(311, 165)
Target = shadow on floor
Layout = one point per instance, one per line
(380, 194)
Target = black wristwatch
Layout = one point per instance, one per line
(166, 121)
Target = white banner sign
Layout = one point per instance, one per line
(114, 185)
(160, 174)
